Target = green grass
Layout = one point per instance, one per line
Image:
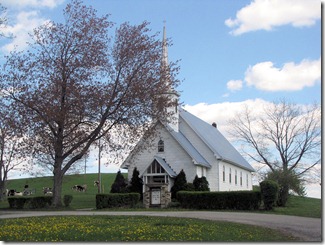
(300, 206)
(132, 228)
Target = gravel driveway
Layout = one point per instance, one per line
(307, 229)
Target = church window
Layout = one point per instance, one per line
(235, 177)
(223, 173)
(247, 180)
(155, 168)
(241, 178)
(230, 175)
(161, 146)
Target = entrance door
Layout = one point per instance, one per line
(155, 196)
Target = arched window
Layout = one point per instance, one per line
(161, 147)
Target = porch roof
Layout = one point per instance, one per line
(164, 165)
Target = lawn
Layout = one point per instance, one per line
(132, 228)
(301, 206)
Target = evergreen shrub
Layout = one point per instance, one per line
(180, 183)
(233, 200)
(115, 200)
(120, 184)
(201, 184)
(136, 183)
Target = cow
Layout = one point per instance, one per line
(96, 183)
(46, 190)
(80, 188)
(11, 192)
(18, 193)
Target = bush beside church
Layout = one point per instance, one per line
(232, 200)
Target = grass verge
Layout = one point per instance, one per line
(132, 228)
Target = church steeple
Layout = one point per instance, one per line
(164, 61)
(170, 92)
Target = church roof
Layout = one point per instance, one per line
(217, 143)
(189, 148)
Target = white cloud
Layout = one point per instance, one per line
(266, 14)
(24, 24)
(291, 77)
(31, 3)
(234, 85)
(216, 112)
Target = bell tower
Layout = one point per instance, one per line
(171, 93)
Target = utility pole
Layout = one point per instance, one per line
(99, 175)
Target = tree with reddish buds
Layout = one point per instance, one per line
(76, 84)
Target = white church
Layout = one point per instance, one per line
(189, 143)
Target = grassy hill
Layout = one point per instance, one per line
(80, 199)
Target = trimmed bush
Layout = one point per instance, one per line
(30, 202)
(39, 202)
(234, 200)
(115, 200)
(269, 192)
(17, 202)
(67, 200)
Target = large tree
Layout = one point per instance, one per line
(285, 137)
(77, 83)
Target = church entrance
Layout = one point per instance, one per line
(156, 181)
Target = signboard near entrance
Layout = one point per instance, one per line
(155, 196)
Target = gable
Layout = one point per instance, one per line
(177, 138)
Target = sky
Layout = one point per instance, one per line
(230, 52)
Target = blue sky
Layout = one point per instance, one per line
(231, 52)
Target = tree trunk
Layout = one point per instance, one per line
(2, 190)
(57, 186)
(283, 195)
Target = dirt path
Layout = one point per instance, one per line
(307, 229)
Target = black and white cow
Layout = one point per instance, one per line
(13, 192)
(80, 188)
